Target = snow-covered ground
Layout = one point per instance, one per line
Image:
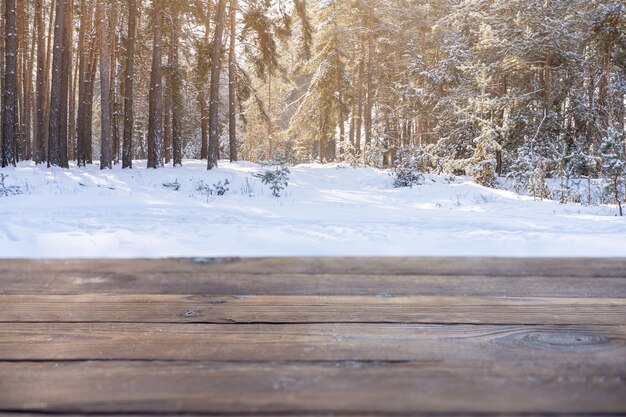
(326, 210)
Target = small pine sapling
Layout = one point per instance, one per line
(277, 179)
(407, 170)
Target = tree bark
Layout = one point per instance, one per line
(10, 85)
(232, 83)
(66, 69)
(360, 93)
(177, 98)
(103, 7)
(216, 66)
(129, 119)
(56, 88)
(86, 74)
(155, 117)
(40, 134)
(370, 79)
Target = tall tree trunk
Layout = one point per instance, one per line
(177, 97)
(40, 134)
(216, 66)
(270, 151)
(360, 93)
(202, 73)
(232, 83)
(155, 117)
(114, 83)
(105, 87)
(370, 79)
(49, 43)
(19, 111)
(167, 99)
(28, 81)
(82, 63)
(24, 46)
(10, 85)
(129, 119)
(86, 72)
(56, 88)
(66, 69)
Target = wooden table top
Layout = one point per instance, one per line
(313, 336)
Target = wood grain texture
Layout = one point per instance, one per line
(308, 387)
(487, 277)
(514, 267)
(151, 308)
(476, 344)
(313, 336)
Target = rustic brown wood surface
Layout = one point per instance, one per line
(313, 336)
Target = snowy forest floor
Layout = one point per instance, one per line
(327, 210)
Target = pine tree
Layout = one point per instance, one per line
(155, 118)
(129, 115)
(216, 67)
(614, 166)
(9, 119)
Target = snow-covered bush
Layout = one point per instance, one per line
(529, 172)
(373, 153)
(277, 179)
(482, 165)
(571, 167)
(407, 170)
(7, 190)
(349, 154)
(613, 167)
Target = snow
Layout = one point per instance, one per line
(327, 210)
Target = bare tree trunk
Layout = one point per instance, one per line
(24, 47)
(359, 116)
(216, 66)
(177, 98)
(155, 118)
(270, 152)
(114, 83)
(103, 7)
(86, 72)
(56, 93)
(19, 111)
(82, 64)
(40, 134)
(10, 85)
(129, 119)
(232, 83)
(66, 70)
(167, 100)
(370, 80)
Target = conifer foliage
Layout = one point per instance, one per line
(527, 90)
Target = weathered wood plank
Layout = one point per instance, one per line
(461, 344)
(111, 278)
(300, 414)
(514, 267)
(295, 414)
(148, 308)
(309, 387)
